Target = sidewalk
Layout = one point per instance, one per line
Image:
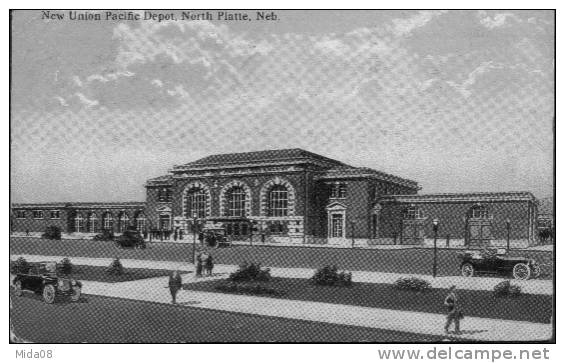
(540, 287)
(156, 290)
(474, 328)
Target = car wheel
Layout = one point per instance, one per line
(49, 294)
(18, 287)
(521, 271)
(467, 270)
(536, 271)
(76, 293)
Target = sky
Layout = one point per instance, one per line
(460, 101)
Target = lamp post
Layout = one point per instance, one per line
(194, 220)
(435, 224)
(507, 235)
(353, 234)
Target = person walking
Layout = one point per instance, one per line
(209, 265)
(454, 313)
(175, 284)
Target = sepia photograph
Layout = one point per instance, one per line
(282, 176)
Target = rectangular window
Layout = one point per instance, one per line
(38, 214)
(164, 194)
(20, 214)
(342, 191)
(338, 191)
(54, 214)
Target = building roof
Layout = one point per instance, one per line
(78, 205)
(352, 172)
(160, 180)
(257, 157)
(460, 197)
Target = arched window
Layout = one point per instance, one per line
(79, 223)
(92, 223)
(479, 212)
(236, 202)
(412, 212)
(108, 221)
(140, 222)
(196, 200)
(278, 201)
(123, 222)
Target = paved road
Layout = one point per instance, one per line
(406, 261)
(97, 319)
(542, 287)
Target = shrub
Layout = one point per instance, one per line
(115, 267)
(412, 284)
(250, 272)
(52, 232)
(105, 235)
(20, 266)
(253, 288)
(330, 276)
(65, 267)
(507, 289)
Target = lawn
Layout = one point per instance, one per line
(409, 261)
(533, 308)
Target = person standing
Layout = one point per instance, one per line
(209, 266)
(199, 265)
(203, 259)
(454, 314)
(175, 284)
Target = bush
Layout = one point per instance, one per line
(105, 235)
(412, 284)
(65, 267)
(20, 266)
(115, 267)
(507, 289)
(330, 276)
(250, 272)
(253, 288)
(52, 232)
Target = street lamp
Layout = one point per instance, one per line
(507, 235)
(194, 220)
(353, 234)
(435, 224)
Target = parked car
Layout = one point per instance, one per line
(42, 278)
(130, 239)
(492, 261)
(216, 237)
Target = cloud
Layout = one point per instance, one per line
(405, 26)
(62, 101)
(498, 20)
(86, 101)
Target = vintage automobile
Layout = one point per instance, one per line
(42, 278)
(215, 237)
(131, 238)
(493, 261)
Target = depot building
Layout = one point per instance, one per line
(295, 197)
